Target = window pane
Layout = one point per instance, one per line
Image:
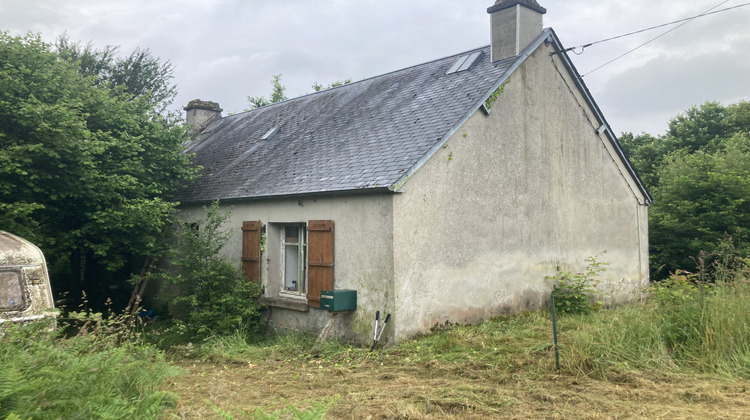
(291, 266)
(11, 293)
(469, 61)
(291, 234)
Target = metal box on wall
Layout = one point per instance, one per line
(338, 300)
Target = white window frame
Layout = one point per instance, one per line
(301, 292)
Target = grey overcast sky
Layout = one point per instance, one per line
(226, 50)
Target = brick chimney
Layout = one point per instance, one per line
(513, 25)
(201, 114)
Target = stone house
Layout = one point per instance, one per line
(446, 192)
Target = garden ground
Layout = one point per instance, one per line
(501, 369)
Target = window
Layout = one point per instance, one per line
(464, 62)
(299, 259)
(293, 272)
(11, 291)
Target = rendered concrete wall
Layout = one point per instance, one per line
(508, 200)
(363, 255)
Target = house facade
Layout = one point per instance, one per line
(447, 192)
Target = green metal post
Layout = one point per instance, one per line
(554, 333)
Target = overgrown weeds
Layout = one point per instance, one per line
(91, 367)
(695, 322)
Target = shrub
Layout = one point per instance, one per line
(576, 293)
(204, 289)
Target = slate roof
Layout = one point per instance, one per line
(366, 136)
(362, 136)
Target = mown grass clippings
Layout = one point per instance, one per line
(614, 365)
(684, 354)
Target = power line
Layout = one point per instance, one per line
(682, 21)
(655, 38)
(706, 13)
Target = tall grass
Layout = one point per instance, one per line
(100, 371)
(693, 323)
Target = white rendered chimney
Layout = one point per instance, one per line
(513, 25)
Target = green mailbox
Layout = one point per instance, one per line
(338, 300)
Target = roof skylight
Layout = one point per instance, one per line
(269, 133)
(464, 62)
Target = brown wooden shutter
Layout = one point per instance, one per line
(319, 259)
(251, 250)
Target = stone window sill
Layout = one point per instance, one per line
(286, 303)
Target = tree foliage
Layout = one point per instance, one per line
(699, 175)
(205, 290)
(318, 87)
(88, 167)
(277, 94)
(139, 74)
(701, 197)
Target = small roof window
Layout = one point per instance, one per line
(464, 62)
(270, 133)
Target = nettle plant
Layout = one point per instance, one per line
(575, 293)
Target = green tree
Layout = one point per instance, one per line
(646, 153)
(701, 127)
(318, 87)
(277, 94)
(88, 168)
(701, 197)
(140, 74)
(698, 127)
(698, 175)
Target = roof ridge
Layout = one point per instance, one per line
(362, 80)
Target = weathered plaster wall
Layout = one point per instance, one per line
(510, 198)
(363, 255)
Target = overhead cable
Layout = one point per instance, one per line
(682, 21)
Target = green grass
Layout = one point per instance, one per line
(505, 365)
(91, 374)
(105, 369)
(317, 410)
(686, 327)
(682, 329)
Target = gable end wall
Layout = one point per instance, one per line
(511, 198)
